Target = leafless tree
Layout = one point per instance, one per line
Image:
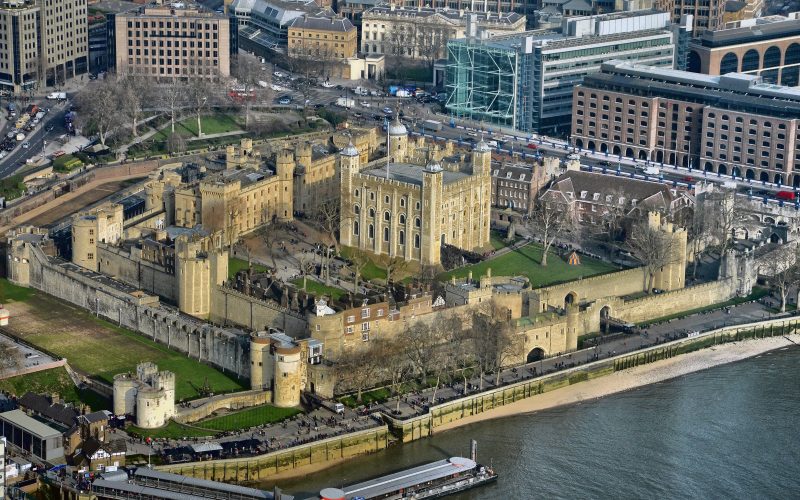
(328, 216)
(171, 97)
(494, 339)
(97, 109)
(701, 234)
(233, 210)
(357, 368)
(722, 215)
(134, 93)
(431, 43)
(176, 143)
(305, 266)
(200, 96)
(462, 349)
(395, 265)
(420, 341)
(783, 268)
(268, 236)
(360, 261)
(391, 352)
(654, 248)
(550, 220)
(249, 74)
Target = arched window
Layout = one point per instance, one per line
(402, 218)
(751, 60)
(386, 234)
(372, 212)
(402, 237)
(356, 209)
(772, 57)
(729, 64)
(355, 228)
(371, 195)
(356, 193)
(416, 241)
(387, 216)
(417, 222)
(402, 202)
(417, 206)
(386, 199)
(371, 231)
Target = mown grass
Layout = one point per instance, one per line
(526, 261)
(235, 265)
(172, 430)
(9, 292)
(251, 417)
(54, 381)
(317, 288)
(212, 124)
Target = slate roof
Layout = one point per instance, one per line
(44, 406)
(650, 194)
(336, 24)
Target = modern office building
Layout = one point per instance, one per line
(525, 81)
(264, 24)
(767, 46)
(708, 14)
(174, 42)
(733, 124)
(44, 43)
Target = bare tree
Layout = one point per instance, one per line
(550, 220)
(654, 248)
(395, 265)
(357, 368)
(783, 268)
(200, 96)
(420, 341)
(268, 236)
(701, 234)
(494, 338)
(176, 143)
(249, 74)
(462, 349)
(391, 352)
(134, 93)
(360, 261)
(431, 43)
(305, 266)
(328, 215)
(97, 109)
(722, 214)
(233, 210)
(171, 97)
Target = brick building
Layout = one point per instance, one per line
(733, 124)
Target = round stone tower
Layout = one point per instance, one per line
(286, 392)
(259, 351)
(125, 388)
(398, 141)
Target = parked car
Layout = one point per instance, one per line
(532, 145)
(328, 85)
(279, 74)
(26, 145)
(785, 195)
(387, 110)
(285, 100)
(364, 104)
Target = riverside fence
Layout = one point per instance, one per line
(423, 425)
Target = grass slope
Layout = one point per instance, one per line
(318, 288)
(235, 265)
(250, 417)
(55, 381)
(526, 261)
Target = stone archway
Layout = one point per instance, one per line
(570, 299)
(536, 354)
(605, 314)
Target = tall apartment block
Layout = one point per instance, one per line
(174, 42)
(707, 14)
(44, 43)
(734, 124)
(525, 81)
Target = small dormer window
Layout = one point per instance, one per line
(508, 175)
(583, 194)
(496, 172)
(596, 196)
(609, 198)
(621, 200)
(633, 202)
(522, 177)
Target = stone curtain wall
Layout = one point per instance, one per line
(228, 401)
(228, 350)
(229, 306)
(264, 466)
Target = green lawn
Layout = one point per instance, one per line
(318, 288)
(235, 265)
(102, 350)
(9, 292)
(172, 430)
(212, 124)
(377, 395)
(525, 261)
(370, 271)
(498, 240)
(54, 381)
(250, 417)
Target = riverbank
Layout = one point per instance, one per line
(633, 378)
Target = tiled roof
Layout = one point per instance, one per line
(43, 405)
(337, 24)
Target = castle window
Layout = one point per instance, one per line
(365, 326)
(371, 231)
(417, 206)
(365, 335)
(372, 212)
(416, 241)
(349, 329)
(402, 202)
(387, 216)
(355, 193)
(365, 313)
(417, 222)
(402, 218)
(386, 234)
(355, 228)
(402, 237)
(356, 209)
(371, 195)
(386, 199)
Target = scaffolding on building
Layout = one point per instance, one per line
(482, 82)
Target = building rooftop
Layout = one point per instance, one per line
(752, 30)
(43, 405)
(18, 418)
(398, 481)
(733, 91)
(323, 23)
(455, 16)
(411, 174)
(231, 490)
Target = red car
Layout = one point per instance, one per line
(532, 145)
(688, 178)
(785, 195)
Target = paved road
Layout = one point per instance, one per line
(48, 130)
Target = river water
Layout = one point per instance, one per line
(729, 432)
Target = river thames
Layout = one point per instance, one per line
(729, 432)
